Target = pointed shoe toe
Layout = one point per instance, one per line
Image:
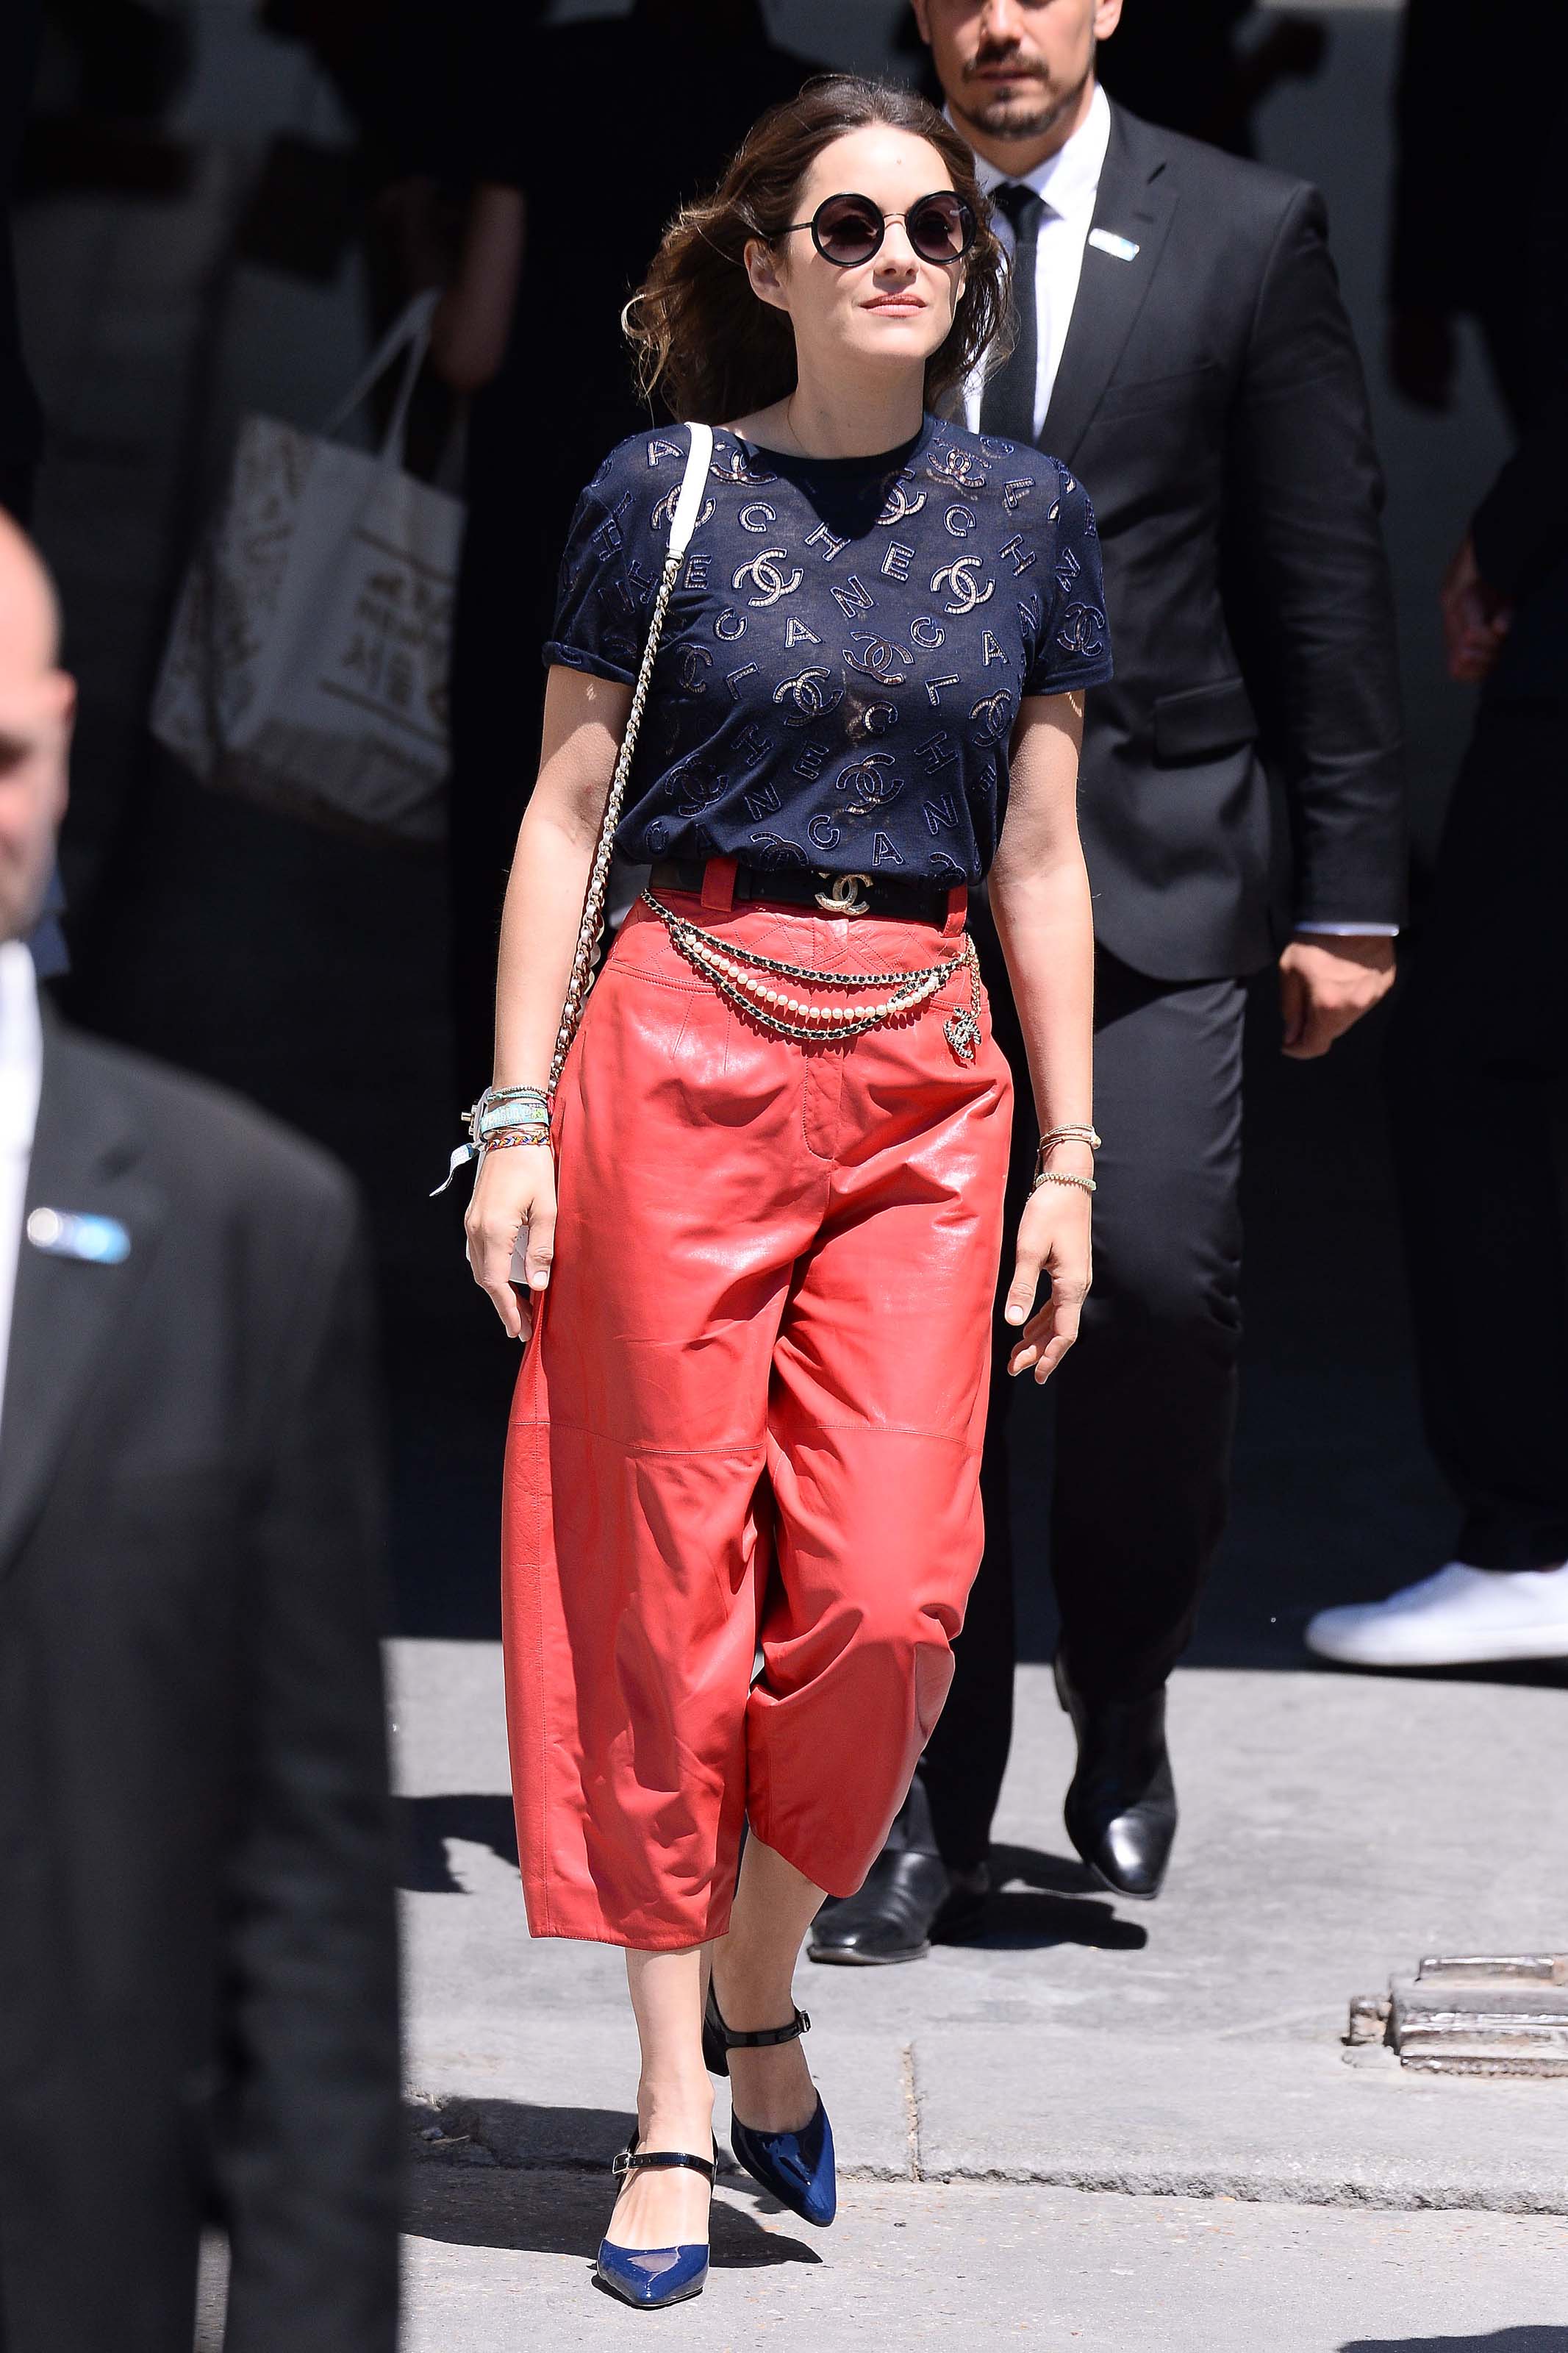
(908, 1898)
(1121, 1811)
(1132, 1851)
(796, 2168)
(652, 2276)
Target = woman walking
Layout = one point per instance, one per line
(759, 1218)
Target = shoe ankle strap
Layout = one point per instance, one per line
(631, 2159)
(766, 2037)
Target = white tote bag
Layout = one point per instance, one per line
(307, 666)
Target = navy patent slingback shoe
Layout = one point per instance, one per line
(653, 2276)
(796, 2168)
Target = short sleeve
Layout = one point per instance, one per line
(595, 625)
(1073, 648)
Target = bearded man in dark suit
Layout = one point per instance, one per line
(197, 1965)
(1181, 345)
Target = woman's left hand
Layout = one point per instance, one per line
(1054, 1240)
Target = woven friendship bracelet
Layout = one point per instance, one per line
(504, 1138)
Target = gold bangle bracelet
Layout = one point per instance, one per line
(1063, 1176)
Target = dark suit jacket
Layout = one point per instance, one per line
(1211, 399)
(197, 1980)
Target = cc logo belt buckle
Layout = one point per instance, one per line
(840, 897)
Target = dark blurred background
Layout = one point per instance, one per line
(217, 206)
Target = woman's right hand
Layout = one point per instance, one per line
(515, 1187)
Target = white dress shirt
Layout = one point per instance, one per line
(21, 1076)
(1069, 182)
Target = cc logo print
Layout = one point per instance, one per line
(814, 693)
(959, 577)
(993, 717)
(879, 659)
(694, 787)
(901, 506)
(665, 511)
(780, 852)
(1082, 630)
(871, 779)
(764, 572)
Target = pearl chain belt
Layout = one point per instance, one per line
(741, 976)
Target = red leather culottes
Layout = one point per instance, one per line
(742, 1508)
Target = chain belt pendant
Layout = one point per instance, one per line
(741, 976)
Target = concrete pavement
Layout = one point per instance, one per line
(1335, 1828)
(499, 2261)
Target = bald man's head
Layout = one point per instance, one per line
(37, 704)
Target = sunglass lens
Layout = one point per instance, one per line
(940, 228)
(847, 231)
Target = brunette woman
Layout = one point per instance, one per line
(756, 1270)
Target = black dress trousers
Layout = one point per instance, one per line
(1478, 1073)
(1145, 1403)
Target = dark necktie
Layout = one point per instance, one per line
(1007, 403)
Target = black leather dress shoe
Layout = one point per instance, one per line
(1121, 1811)
(908, 1899)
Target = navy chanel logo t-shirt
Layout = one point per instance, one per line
(846, 647)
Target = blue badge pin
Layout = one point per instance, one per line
(1120, 248)
(66, 1233)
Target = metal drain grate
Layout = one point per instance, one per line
(1474, 2014)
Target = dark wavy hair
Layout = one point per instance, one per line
(706, 344)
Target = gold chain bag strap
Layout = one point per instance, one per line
(591, 930)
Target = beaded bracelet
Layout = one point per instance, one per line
(1063, 1176)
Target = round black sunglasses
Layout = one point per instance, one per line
(847, 230)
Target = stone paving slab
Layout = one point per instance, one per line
(1226, 2120)
(1089, 2111)
(549, 2090)
(498, 2262)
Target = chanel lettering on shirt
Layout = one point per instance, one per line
(846, 648)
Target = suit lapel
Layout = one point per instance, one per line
(67, 1312)
(1136, 201)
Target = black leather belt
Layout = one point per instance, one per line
(802, 886)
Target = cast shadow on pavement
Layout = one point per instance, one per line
(538, 2210)
(425, 1824)
(1059, 1903)
(1504, 2340)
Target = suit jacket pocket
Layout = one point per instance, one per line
(1201, 720)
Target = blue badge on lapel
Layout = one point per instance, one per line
(65, 1233)
(1120, 248)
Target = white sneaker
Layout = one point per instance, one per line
(1460, 1616)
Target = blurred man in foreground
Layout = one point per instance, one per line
(197, 1978)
